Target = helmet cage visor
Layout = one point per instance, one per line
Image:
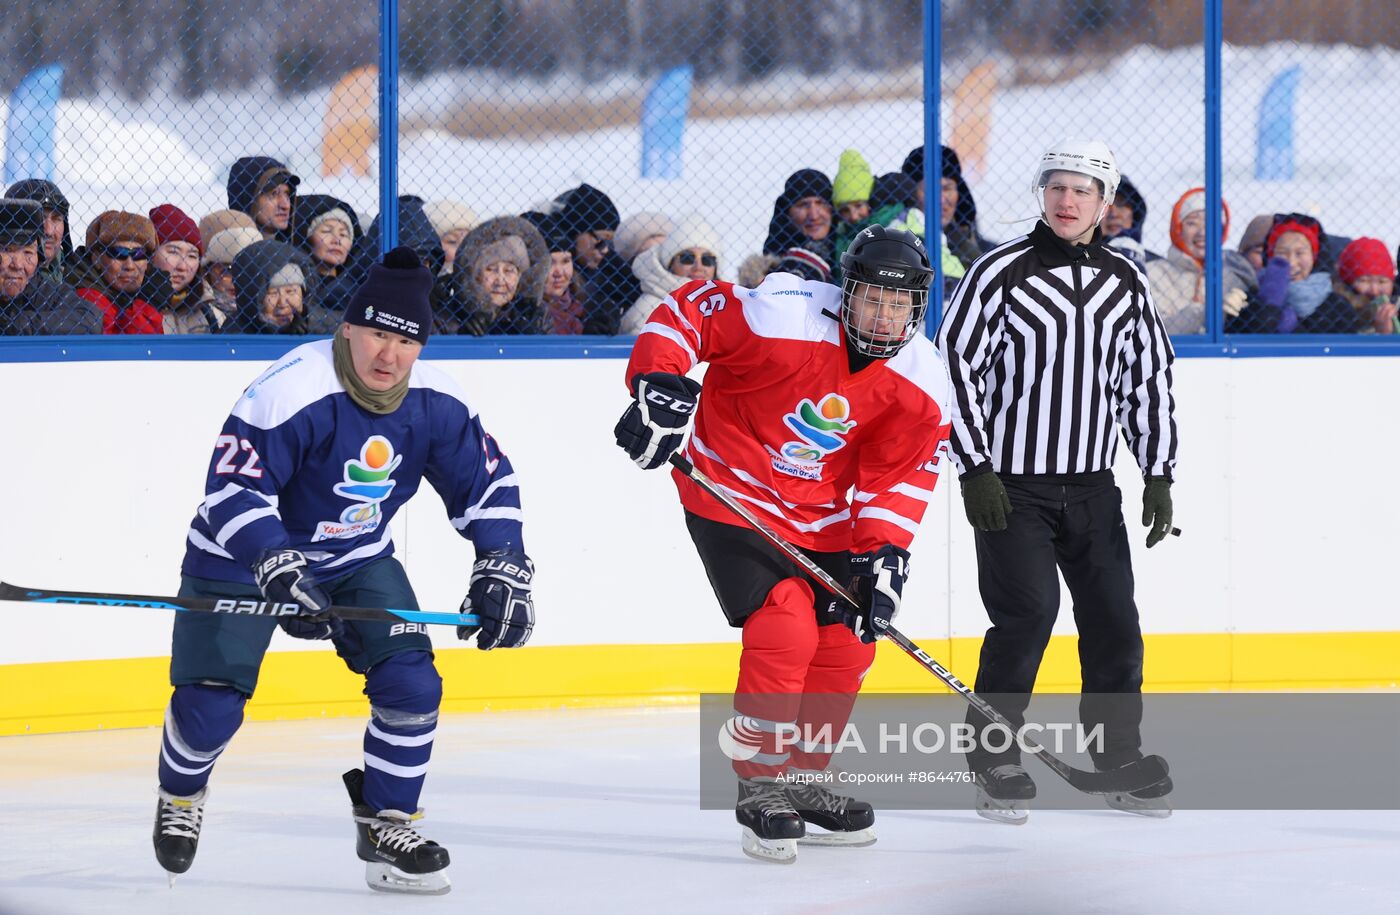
(880, 320)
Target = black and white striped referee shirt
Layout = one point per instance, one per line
(1049, 344)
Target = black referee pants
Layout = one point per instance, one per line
(1074, 524)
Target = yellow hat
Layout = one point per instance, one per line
(854, 179)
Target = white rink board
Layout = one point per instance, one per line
(1284, 495)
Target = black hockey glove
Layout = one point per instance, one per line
(986, 502)
(499, 593)
(1157, 509)
(282, 578)
(877, 580)
(654, 426)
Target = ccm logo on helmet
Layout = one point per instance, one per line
(897, 274)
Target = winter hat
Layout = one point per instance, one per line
(510, 248)
(225, 245)
(21, 222)
(219, 220)
(690, 232)
(1257, 232)
(333, 213)
(893, 187)
(41, 191)
(174, 224)
(636, 229)
(289, 275)
(805, 182)
(584, 209)
(1290, 223)
(1364, 257)
(251, 176)
(914, 164)
(854, 180)
(394, 297)
(115, 225)
(446, 215)
(1194, 201)
(804, 263)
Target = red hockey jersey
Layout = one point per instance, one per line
(832, 460)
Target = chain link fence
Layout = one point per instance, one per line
(179, 166)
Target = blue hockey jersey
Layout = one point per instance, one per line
(299, 464)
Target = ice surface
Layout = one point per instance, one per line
(597, 811)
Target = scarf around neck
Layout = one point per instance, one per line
(377, 402)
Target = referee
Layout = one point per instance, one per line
(1051, 340)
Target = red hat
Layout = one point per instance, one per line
(1306, 227)
(174, 224)
(1364, 257)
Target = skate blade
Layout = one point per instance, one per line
(1156, 808)
(389, 879)
(776, 851)
(856, 838)
(1008, 813)
(171, 875)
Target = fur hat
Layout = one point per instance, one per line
(21, 223)
(636, 229)
(116, 225)
(395, 297)
(219, 220)
(446, 215)
(174, 224)
(510, 249)
(225, 245)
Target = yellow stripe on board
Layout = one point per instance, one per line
(132, 692)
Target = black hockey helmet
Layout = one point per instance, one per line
(890, 269)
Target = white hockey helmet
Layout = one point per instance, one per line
(1083, 157)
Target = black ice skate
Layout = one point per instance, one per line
(176, 835)
(771, 825)
(1148, 802)
(843, 820)
(1002, 793)
(397, 859)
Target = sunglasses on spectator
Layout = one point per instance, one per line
(1299, 218)
(125, 254)
(601, 243)
(687, 259)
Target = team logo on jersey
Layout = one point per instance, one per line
(367, 484)
(820, 428)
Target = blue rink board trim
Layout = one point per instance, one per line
(253, 348)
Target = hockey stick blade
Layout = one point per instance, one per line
(1133, 777)
(234, 606)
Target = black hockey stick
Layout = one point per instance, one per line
(1133, 777)
(235, 606)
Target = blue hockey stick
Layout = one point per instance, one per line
(236, 606)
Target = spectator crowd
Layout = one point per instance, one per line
(278, 261)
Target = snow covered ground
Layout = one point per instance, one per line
(1148, 106)
(596, 811)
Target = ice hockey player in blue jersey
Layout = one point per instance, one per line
(310, 467)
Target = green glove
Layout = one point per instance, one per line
(1157, 509)
(986, 502)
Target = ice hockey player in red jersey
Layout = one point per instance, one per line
(824, 411)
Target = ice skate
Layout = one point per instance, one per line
(1002, 793)
(1149, 802)
(771, 825)
(842, 820)
(397, 859)
(176, 836)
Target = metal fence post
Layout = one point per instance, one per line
(1212, 48)
(388, 125)
(933, 156)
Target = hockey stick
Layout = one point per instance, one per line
(1132, 777)
(235, 606)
